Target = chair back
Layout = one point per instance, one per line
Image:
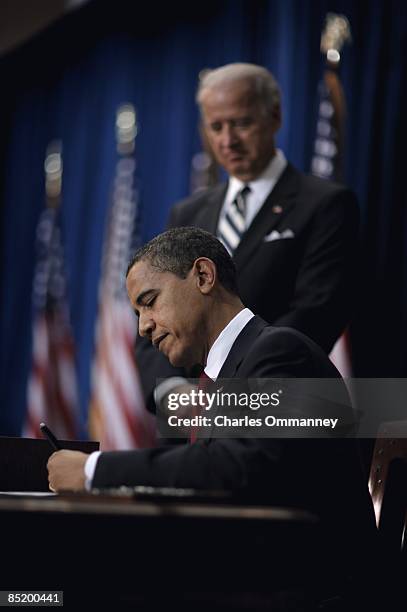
(388, 483)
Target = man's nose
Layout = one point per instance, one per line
(145, 324)
(229, 136)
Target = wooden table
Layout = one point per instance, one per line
(100, 549)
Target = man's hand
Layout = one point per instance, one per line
(66, 470)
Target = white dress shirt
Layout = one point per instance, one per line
(220, 349)
(217, 355)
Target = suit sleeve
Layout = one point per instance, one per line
(322, 476)
(251, 467)
(326, 279)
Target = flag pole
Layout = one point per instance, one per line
(327, 160)
(52, 393)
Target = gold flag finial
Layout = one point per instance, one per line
(335, 34)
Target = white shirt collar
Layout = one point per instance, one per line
(264, 183)
(221, 347)
(260, 188)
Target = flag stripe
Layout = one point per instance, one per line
(117, 415)
(52, 394)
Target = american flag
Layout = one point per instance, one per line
(52, 394)
(327, 157)
(117, 415)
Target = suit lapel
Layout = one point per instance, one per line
(274, 209)
(210, 213)
(236, 355)
(241, 346)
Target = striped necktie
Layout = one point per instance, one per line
(233, 225)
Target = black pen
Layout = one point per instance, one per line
(50, 437)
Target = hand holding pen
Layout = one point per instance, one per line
(50, 437)
(66, 469)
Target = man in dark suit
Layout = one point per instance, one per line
(182, 285)
(292, 237)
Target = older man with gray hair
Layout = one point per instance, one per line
(292, 237)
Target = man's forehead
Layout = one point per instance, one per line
(143, 272)
(144, 277)
(241, 92)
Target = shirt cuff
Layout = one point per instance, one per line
(90, 467)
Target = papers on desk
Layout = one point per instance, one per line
(29, 493)
(163, 493)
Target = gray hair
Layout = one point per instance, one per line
(264, 83)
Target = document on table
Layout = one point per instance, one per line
(29, 493)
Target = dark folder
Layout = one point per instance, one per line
(23, 462)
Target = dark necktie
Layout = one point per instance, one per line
(233, 225)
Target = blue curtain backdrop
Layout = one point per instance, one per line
(67, 83)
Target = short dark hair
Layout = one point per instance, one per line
(176, 250)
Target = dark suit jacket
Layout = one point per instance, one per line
(306, 282)
(322, 475)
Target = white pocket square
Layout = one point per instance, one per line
(275, 235)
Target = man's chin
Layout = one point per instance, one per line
(237, 165)
(241, 171)
(172, 357)
(178, 360)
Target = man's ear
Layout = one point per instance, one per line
(205, 273)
